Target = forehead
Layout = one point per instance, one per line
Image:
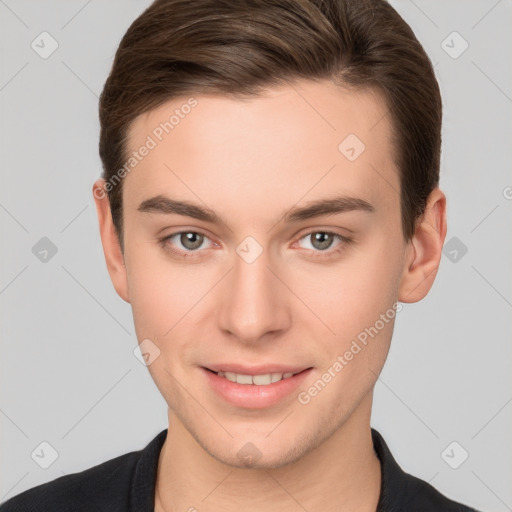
(288, 142)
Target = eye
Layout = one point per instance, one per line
(185, 243)
(190, 241)
(321, 241)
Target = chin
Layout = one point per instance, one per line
(251, 457)
(261, 452)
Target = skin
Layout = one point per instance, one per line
(250, 161)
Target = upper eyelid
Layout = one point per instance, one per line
(329, 231)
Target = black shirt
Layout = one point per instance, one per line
(127, 484)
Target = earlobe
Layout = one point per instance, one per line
(424, 250)
(111, 247)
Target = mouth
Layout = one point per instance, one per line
(254, 388)
(262, 379)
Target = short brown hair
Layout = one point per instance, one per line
(178, 47)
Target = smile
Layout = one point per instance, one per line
(258, 380)
(254, 389)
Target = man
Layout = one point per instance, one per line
(269, 198)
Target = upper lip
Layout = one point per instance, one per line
(261, 369)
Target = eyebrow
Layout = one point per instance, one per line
(166, 205)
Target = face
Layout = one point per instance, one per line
(263, 237)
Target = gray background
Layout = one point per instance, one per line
(68, 373)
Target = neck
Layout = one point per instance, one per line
(342, 474)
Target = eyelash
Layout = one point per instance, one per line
(326, 254)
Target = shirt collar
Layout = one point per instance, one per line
(392, 476)
(144, 478)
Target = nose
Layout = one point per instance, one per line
(254, 303)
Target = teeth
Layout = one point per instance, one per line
(243, 379)
(259, 380)
(230, 376)
(262, 380)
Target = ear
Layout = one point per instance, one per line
(424, 250)
(114, 257)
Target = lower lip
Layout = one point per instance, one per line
(251, 396)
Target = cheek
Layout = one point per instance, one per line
(353, 295)
(163, 293)
(361, 313)
(149, 289)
